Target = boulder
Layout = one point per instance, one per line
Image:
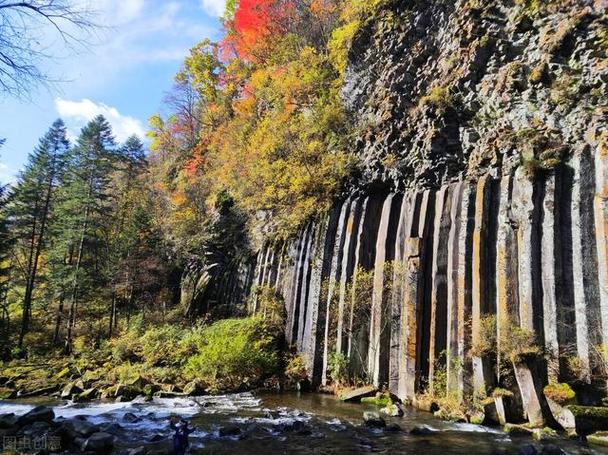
(599, 438)
(36, 429)
(126, 392)
(392, 410)
(70, 390)
(512, 428)
(79, 428)
(393, 427)
(193, 388)
(373, 420)
(229, 430)
(87, 395)
(99, 443)
(137, 451)
(7, 421)
(129, 417)
(357, 394)
(422, 430)
(38, 414)
(157, 437)
(585, 419)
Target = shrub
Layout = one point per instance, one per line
(561, 393)
(234, 352)
(127, 347)
(486, 344)
(439, 98)
(499, 392)
(296, 368)
(160, 345)
(338, 368)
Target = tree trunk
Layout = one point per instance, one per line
(112, 315)
(33, 266)
(58, 320)
(74, 292)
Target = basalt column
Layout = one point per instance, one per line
(305, 287)
(507, 296)
(379, 346)
(439, 289)
(584, 262)
(331, 312)
(358, 336)
(482, 370)
(397, 342)
(601, 230)
(357, 209)
(529, 375)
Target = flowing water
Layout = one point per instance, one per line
(287, 423)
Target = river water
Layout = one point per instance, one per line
(289, 423)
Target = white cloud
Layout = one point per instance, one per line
(214, 7)
(118, 11)
(78, 113)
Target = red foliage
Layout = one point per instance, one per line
(255, 23)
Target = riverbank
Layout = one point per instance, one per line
(271, 423)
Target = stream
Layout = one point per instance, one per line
(265, 423)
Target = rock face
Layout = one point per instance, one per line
(484, 142)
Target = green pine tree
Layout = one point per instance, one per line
(83, 211)
(31, 209)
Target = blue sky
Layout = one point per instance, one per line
(124, 74)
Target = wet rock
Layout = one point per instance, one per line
(76, 428)
(373, 420)
(357, 394)
(392, 410)
(194, 388)
(131, 418)
(126, 392)
(586, 419)
(512, 428)
(551, 449)
(137, 451)
(528, 449)
(70, 390)
(38, 414)
(99, 443)
(7, 421)
(111, 428)
(229, 430)
(36, 429)
(422, 430)
(86, 395)
(157, 438)
(393, 427)
(165, 394)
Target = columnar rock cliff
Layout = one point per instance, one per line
(483, 192)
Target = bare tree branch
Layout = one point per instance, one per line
(24, 37)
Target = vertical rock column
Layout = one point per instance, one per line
(305, 286)
(526, 210)
(464, 288)
(377, 320)
(399, 273)
(600, 205)
(334, 277)
(348, 260)
(439, 290)
(453, 251)
(551, 272)
(584, 260)
(313, 304)
(292, 313)
(481, 370)
(506, 264)
(410, 376)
